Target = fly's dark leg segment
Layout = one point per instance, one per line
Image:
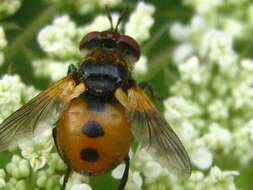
(72, 69)
(55, 141)
(66, 178)
(69, 170)
(149, 88)
(125, 174)
(150, 91)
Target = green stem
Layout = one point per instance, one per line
(157, 63)
(156, 38)
(33, 28)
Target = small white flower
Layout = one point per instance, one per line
(140, 22)
(117, 173)
(190, 70)
(218, 137)
(216, 174)
(242, 143)
(18, 167)
(217, 110)
(178, 107)
(100, 23)
(196, 29)
(247, 64)
(11, 94)
(233, 27)
(37, 149)
(47, 178)
(9, 7)
(182, 52)
(219, 47)
(201, 156)
(242, 95)
(152, 170)
(135, 181)
(141, 66)
(182, 89)
(59, 38)
(221, 86)
(197, 176)
(77, 180)
(178, 31)
(81, 187)
(2, 178)
(198, 25)
(187, 132)
(51, 68)
(16, 184)
(203, 97)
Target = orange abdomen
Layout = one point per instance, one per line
(93, 136)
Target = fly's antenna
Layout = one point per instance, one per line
(109, 17)
(122, 16)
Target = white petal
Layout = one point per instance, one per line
(80, 187)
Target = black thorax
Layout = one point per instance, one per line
(103, 77)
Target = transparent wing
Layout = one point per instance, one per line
(154, 132)
(24, 120)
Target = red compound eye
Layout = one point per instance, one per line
(111, 40)
(131, 43)
(88, 37)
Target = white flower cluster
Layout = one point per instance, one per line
(216, 179)
(60, 40)
(35, 153)
(3, 44)
(140, 22)
(78, 182)
(37, 149)
(219, 86)
(100, 23)
(9, 7)
(13, 94)
(211, 105)
(18, 167)
(146, 173)
(238, 24)
(141, 66)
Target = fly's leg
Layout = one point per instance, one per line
(72, 69)
(147, 87)
(66, 178)
(125, 174)
(69, 170)
(55, 141)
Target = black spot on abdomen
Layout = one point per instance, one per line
(89, 155)
(93, 129)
